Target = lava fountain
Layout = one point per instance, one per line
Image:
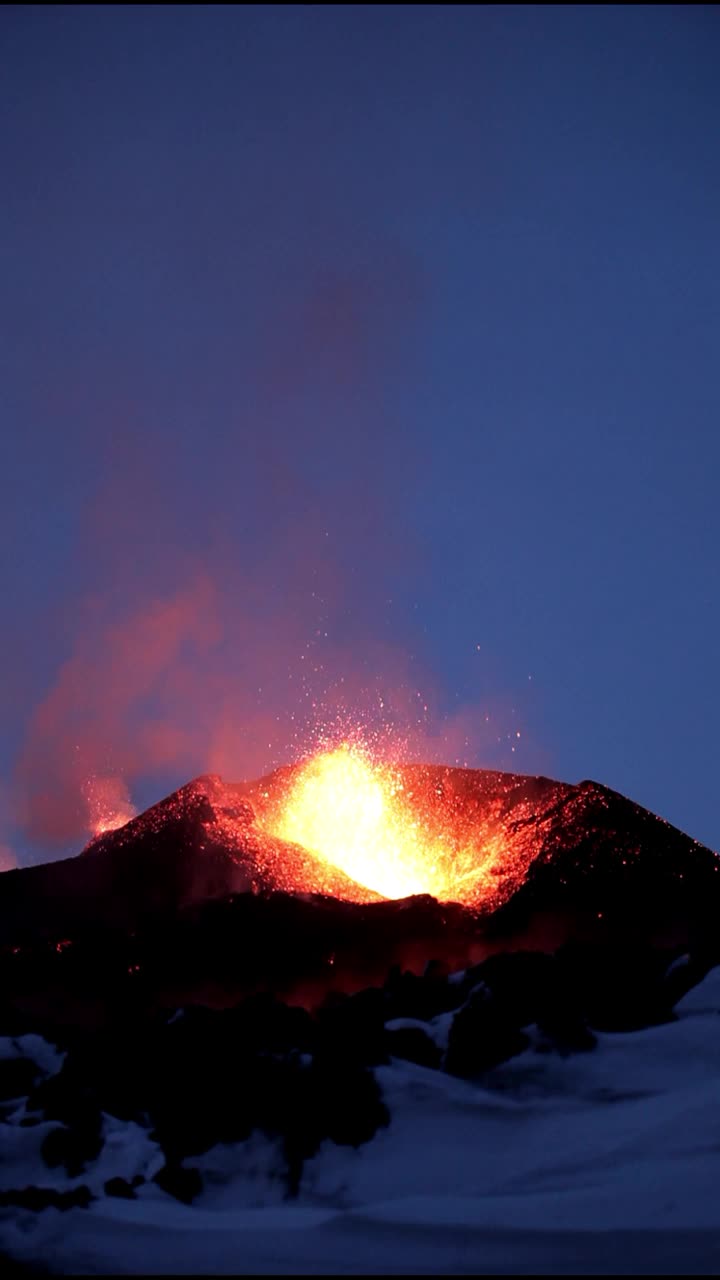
(365, 819)
(108, 804)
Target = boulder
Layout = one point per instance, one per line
(481, 1036)
(183, 1184)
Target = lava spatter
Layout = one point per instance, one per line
(395, 831)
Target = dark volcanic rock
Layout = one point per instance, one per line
(413, 1045)
(620, 987)
(482, 1035)
(217, 951)
(37, 1198)
(156, 863)
(351, 1030)
(522, 983)
(73, 1147)
(198, 1076)
(13, 1267)
(200, 843)
(183, 1184)
(684, 973)
(334, 1099)
(17, 1077)
(204, 1077)
(606, 870)
(193, 902)
(121, 1189)
(420, 996)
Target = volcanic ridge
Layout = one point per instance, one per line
(195, 979)
(199, 897)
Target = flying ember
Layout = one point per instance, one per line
(362, 818)
(108, 804)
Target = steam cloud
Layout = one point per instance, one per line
(235, 597)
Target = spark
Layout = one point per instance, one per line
(108, 804)
(388, 834)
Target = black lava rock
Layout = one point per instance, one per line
(351, 1029)
(482, 1035)
(413, 1045)
(37, 1198)
(73, 1147)
(17, 1077)
(409, 995)
(121, 1189)
(620, 987)
(183, 1184)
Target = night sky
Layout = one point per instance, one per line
(358, 361)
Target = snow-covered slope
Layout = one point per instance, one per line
(604, 1161)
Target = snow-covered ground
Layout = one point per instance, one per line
(600, 1162)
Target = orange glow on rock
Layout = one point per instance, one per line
(108, 804)
(387, 835)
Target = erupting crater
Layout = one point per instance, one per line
(387, 832)
(347, 845)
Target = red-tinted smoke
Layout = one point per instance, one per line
(245, 587)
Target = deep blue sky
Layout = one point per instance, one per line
(396, 323)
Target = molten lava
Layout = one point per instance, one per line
(386, 835)
(108, 804)
(344, 824)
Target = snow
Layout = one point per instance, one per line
(704, 998)
(47, 1056)
(606, 1161)
(437, 1029)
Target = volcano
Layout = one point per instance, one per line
(242, 988)
(204, 895)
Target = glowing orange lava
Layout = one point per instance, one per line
(363, 818)
(108, 804)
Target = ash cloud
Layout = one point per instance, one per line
(243, 567)
(111, 710)
(8, 859)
